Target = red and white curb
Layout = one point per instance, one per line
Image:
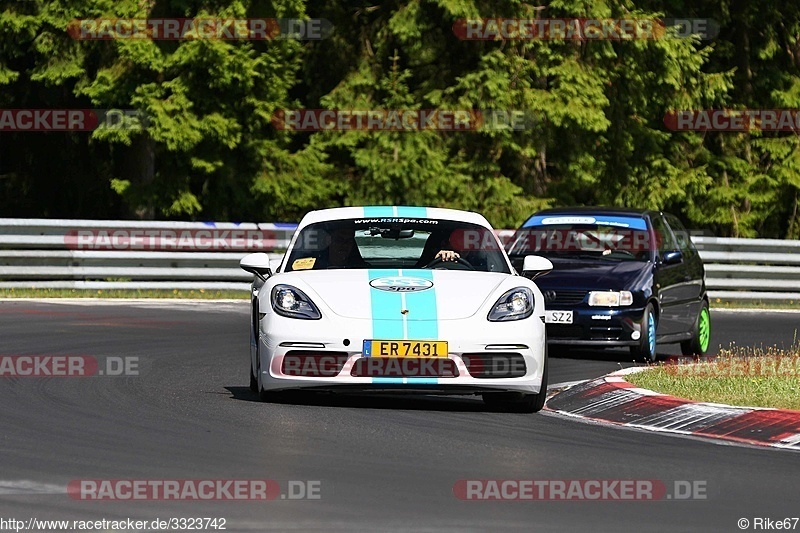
(610, 399)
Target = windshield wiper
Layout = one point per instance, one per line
(604, 257)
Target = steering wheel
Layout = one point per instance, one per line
(438, 261)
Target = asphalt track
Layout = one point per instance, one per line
(384, 464)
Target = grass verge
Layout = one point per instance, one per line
(125, 293)
(752, 377)
(717, 303)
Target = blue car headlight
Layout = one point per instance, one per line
(515, 304)
(293, 303)
(610, 298)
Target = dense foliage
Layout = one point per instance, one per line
(208, 150)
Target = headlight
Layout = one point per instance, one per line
(293, 303)
(515, 304)
(610, 298)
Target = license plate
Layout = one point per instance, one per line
(558, 317)
(405, 348)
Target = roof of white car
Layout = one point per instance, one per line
(342, 213)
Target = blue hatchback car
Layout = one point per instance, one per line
(620, 277)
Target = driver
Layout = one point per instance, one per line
(470, 247)
(447, 255)
(437, 247)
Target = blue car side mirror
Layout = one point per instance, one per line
(672, 258)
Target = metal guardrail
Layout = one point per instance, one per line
(751, 269)
(113, 254)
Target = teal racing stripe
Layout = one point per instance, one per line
(388, 211)
(387, 321)
(422, 381)
(423, 319)
(412, 212)
(379, 211)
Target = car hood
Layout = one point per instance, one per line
(596, 274)
(384, 294)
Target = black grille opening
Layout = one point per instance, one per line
(605, 333)
(493, 365)
(405, 367)
(313, 364)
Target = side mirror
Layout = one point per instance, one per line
(534, 266)
(258, 264)
(672, 258)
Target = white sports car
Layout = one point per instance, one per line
(400, 299)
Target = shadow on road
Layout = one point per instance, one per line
(372, 400)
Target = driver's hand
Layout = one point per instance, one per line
(447, 255)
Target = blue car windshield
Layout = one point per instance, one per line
(581, 237)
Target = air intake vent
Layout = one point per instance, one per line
(313, 364)
(494, 365)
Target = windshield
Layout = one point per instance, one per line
(583, 237)
(396, 243)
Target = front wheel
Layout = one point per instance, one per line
(253, 380)
(517, 402)
(701, 334)
(263, 395)
(645, 351)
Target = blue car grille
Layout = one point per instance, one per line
(563, 296)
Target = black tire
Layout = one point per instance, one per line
(645, 351)
(517, 402)
(253, 380)
(701, 334)
(265, 396)
(254, 333)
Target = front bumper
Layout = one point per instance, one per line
(283, 339)
(598, 326)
